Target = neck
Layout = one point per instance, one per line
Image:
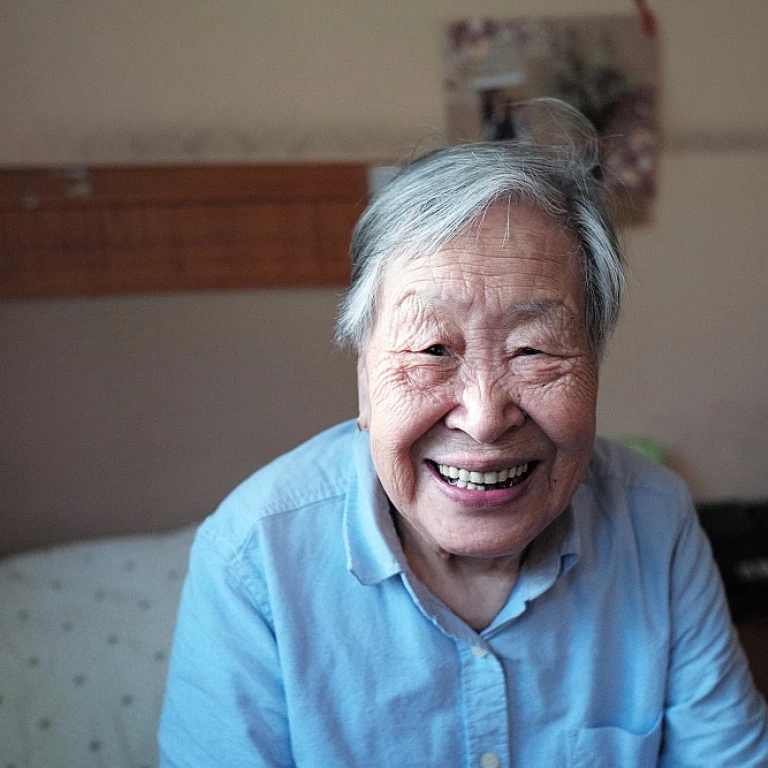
(474, 588)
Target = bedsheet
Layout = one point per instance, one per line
(85, 631)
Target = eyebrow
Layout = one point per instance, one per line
(535, 309)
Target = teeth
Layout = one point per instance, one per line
(473, 481)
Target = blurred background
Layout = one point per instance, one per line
(148, 409)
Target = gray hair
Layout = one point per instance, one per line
(433, 199)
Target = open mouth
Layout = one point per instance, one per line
(484, 481)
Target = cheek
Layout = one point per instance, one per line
(407, 396)
(401, 412)
(389, 396)
(565, 407)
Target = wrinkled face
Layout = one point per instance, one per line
(478, 385)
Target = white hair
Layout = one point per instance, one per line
(436, 197)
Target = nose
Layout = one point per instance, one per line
(485, 410)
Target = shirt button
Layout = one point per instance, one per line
(489, 760)
(481, 653)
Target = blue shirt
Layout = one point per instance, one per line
(303, 638)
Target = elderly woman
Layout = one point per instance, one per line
(465, 577)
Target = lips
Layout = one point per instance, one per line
(474, 480)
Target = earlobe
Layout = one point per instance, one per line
(363, 402)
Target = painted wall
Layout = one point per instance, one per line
(149, 409)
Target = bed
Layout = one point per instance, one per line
(85, 631)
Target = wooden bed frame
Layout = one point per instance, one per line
(109, 229)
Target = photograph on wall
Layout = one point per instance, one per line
(605, 66)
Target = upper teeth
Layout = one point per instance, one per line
(466, 478)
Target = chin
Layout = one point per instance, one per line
(488, 551)
(479, 539)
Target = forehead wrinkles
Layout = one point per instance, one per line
(507, 257)
(460, 274)
(533, 244)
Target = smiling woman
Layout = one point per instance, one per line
(466, 574)
(506, 391)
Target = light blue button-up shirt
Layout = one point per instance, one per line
(303, 638)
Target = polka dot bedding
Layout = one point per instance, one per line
(85, 631)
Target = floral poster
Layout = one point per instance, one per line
(605, 66)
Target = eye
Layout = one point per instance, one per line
(528, 351)
(435, 350)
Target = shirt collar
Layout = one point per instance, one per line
(557, 548)
(373, 547)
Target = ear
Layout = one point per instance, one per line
(363, 401)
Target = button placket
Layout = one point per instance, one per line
(485, 706)
(479, 652)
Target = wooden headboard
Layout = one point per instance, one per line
(85, 231)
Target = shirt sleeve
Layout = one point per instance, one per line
(714, 715)
(224, 702)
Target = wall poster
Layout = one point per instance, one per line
(605, 66)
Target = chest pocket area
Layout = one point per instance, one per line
(608, 747)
